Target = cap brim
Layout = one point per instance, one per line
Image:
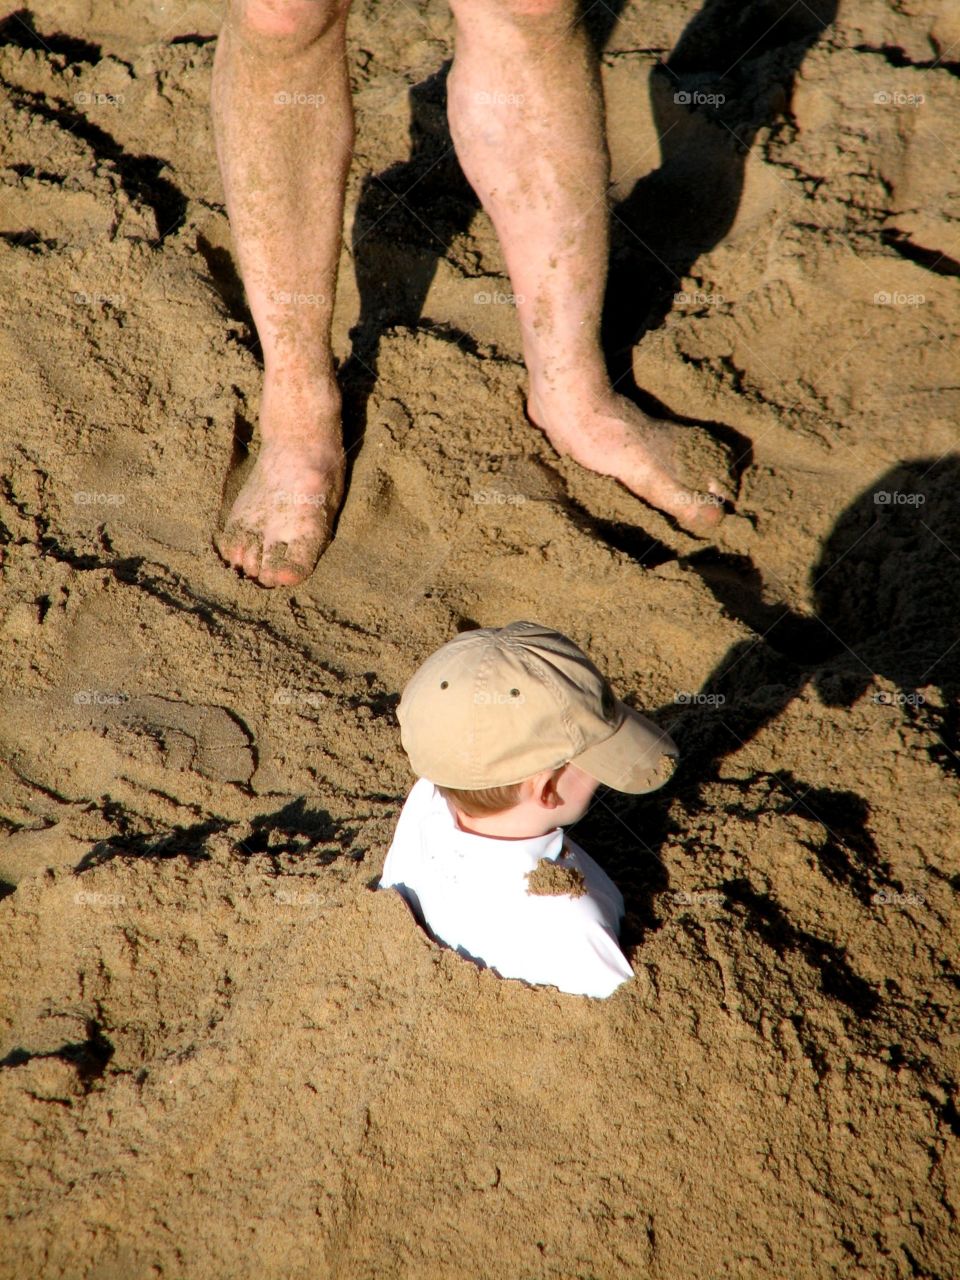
(637, 757)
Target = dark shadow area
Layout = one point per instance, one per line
(848, 855)
(140, 176)
(31, 171)
(406, 221)
(630, 539)
(298, 829)
(29, 238)
(226, 280)
(19, 31)
(194, 39)
(930, 259)
(738, 587)
(886, 592)
(895, 56)
(888, 584)
(945, 1111)
(180, 842)
(762, 915)
(730, 75)
(89, 1057)
(625, 835)
(295, 828)
(381, 703)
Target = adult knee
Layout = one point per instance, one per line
(522, 12)
(281, 27)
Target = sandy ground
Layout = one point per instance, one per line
(224, 1055)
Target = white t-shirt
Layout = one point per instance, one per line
(471, 893)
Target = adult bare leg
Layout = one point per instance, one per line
(526, 116)
(283, 123)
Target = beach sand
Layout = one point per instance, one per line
(225, 1055)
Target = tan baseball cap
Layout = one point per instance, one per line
(496, 706)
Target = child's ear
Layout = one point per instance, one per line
(547, 793)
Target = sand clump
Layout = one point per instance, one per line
(550, 877)
(223, 1054)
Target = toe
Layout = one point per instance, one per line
(723, 491)
(694, 510)
(229, 548)
(251, 559)
(702, 466)
(702, 515)
(287, 563)
(288, 575)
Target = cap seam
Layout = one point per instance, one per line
(479, 686)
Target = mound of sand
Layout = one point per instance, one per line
(223, 1054)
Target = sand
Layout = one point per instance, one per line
(224, 1054)
(550, 878)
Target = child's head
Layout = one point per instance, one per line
(548, 799)
(517, 727)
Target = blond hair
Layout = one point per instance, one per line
(481, 803)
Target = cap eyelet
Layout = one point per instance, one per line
(444, 684)
(514, 693)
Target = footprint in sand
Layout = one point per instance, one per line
(200, 738)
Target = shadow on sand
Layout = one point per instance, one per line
(886, 590)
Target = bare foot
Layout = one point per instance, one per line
(681, 470)
(283, 516)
